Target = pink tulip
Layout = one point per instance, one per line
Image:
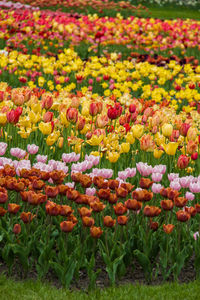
(3, 147)
(41, 158)
(159, 169)
(196, 235)
(156, 188)
(90, 191)
(172, 176)
(17, 152)
(70, 184)
(185, 181)
(157, 177)
(175, 185)
(189, 196)
(144, 169)
(194, 187)
(32, 149)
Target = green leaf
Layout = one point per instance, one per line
(144, 262)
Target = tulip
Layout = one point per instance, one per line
(132, 108)
(157, 153)
(168, 228)
(26, 217)
(167, 130)
(32, 149)
(72, 115)
(184, 129)
(180, 201)
(147, 143)
(122, 220)
(17, 229)
(108, 221)
(67, 226)
(97, 206)
(88, 221)
(151, 211)
(2, 211)
(182, 216)
(133, 204)
(154, 225)
(65, 210)
(194, 156)
(170, 148)
(96, 232)
(13, 208)
(167, 205)
(189, 196)
(120, 209)
(45, 128)
(85, 212)
(183, 161)
(113, 156)
(137, 130)
(93, 109)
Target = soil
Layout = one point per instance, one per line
(133, 276)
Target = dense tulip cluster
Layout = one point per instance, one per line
(99, 147)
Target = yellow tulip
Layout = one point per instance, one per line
(192, 134)
(34, 117)
(157, 153)
(45, 128)
(52, 138)
(124, 147)
(60, 142)
(130, 138)
(113, 157)
(170, 148)
(137, 130)
(77, 148)
(159, 138)
(96, 153)
(63, 119)
(3, 119)
(167, 130)
(95, 140)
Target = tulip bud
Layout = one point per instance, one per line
(132, 108)
(48, 116)
(184, 129)
(17, 229)
(194, 156)
(167, 130)
(93, 109)
(72, 115)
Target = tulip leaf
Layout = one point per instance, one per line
(145, 263)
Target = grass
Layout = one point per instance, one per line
(35, 290)
(154, 11)
(174, 13)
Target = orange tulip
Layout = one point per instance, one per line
(133, 204)
(85, 212)
(108, 221)
(88, 221)
(182, 216)
(151, 211)
(120, 209)
(67, 226)
(167, 204)
(13, 208)
(168, 228)
(17, 229)
(96, 232)
(26, 217)
(122, 220)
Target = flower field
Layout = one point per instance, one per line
(99, 142)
